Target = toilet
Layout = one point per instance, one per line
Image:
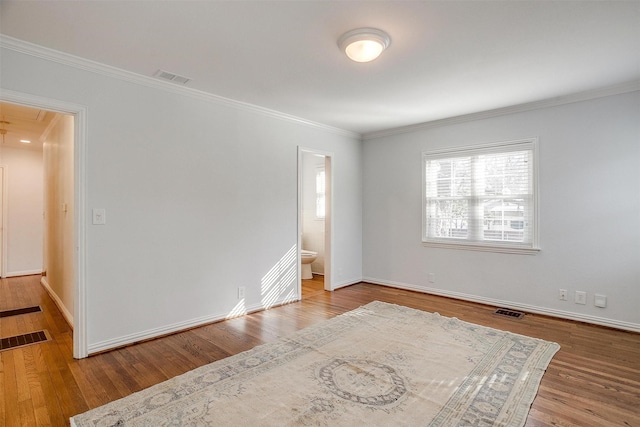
(306, 258)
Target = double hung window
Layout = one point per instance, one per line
(482, 198)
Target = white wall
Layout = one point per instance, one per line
(24, 210)
(59, 213)
(589, 212)
(200, 198)
(312, 227)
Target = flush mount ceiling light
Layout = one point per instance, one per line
(364, 44)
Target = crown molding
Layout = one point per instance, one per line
(77, 62)
(118, 73)
(618, 89)
(50, 127)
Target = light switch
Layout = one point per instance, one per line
(99, 216)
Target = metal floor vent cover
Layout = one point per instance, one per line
(7, 313)
(25, 339)
(509, 313)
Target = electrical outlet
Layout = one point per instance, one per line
(240, 292)
(562, 294)
(581, 297)
(432, 278)
(600, 300)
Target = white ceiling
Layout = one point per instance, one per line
(447, 58)
(23, 123)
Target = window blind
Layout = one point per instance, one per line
(481, 196)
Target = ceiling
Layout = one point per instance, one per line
(446, 58)
(23, 123)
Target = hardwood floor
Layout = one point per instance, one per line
(594, 380)
(312, 287)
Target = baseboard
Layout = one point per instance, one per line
(346, 283)
(239, 310)
(65, 313)
(23, 273)
(611, 323)
(114, 343)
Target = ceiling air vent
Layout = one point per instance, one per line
(165, 75)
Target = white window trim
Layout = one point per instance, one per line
(512, 248)
(319, 170)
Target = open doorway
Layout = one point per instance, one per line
(314, 221)
(22, 189)
(37, 163)
(62, 192)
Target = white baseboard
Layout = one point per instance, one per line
(23, 273)
(192, 323)
(612, 323)
(65, 313)
(346, 283)
(178, 327)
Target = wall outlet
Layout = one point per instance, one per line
(581, 297)
(600, 300)
(432, 278)
(241, 292)
(562, 294)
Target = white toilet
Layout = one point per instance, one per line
(306, 258)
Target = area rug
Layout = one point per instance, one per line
(380, 364)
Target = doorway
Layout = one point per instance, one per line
(314, 218)
(65, 207)
(21, 189)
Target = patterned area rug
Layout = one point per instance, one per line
(380, 364)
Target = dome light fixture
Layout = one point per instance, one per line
(364, 44)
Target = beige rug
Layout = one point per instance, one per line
(380, 364)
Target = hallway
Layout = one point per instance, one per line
(35, 381)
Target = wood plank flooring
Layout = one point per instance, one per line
(594, 380)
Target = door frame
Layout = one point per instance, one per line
(328, 221)
(80, 196)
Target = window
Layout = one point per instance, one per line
(482, 198)
(320, 193)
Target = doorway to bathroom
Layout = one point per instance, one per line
(314, 221)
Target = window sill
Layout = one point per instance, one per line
(504, 249)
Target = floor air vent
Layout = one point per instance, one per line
(509, 313)
(22, 340)
(7, 313)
